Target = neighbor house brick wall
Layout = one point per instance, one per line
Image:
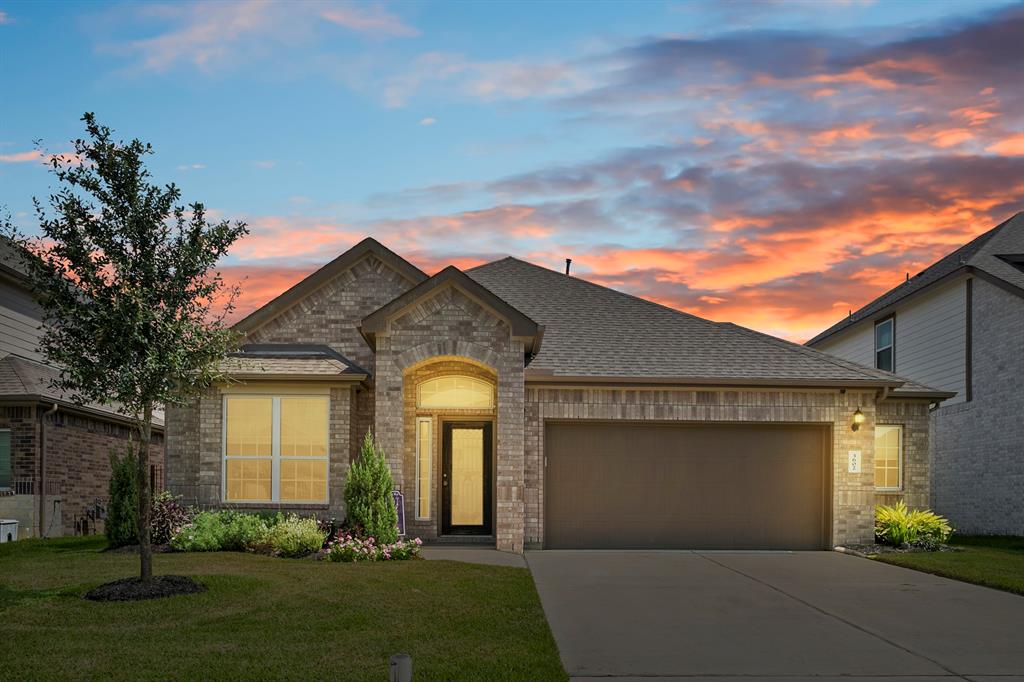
(77, 461)
(451, 324)
(978, 446)
(853, 494)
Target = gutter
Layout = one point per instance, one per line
(549, 377)
(32, 398)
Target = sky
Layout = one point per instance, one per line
(773, 164)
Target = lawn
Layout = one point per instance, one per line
(264, 617)
(985, 560)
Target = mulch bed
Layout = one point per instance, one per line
(874, 548)
(134, 589)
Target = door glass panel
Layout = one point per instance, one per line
(467, 477)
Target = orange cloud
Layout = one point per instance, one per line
(1011, 146)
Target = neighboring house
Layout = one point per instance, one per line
(520, 406)
(54, 452)
(958, 325)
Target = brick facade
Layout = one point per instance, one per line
(978, 455)
(77, 462)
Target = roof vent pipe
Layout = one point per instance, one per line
(568, 262)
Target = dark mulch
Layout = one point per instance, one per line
(134, 589)
(873, 549)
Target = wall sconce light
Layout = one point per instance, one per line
(858, 419)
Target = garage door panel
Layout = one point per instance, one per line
(635, 486)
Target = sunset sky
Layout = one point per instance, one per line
(772, 164)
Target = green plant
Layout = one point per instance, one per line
(167, 517)
(347, 547)
(898, 525)
(220, 531)
(293, 536)
(368, 494)
(122, 522)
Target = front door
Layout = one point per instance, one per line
(466, 478)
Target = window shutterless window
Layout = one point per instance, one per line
(888, 457)
(884, 345)
(458, 392)
(275, 448)
(424, 461)
(6, 465)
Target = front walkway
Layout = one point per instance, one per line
(472, 555)
(778, 616)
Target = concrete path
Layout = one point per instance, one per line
(778, 616)
(472, 555)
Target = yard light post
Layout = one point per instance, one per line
(401, 668)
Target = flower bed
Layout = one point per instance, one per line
(348, 547)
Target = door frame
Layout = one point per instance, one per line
(487, 426)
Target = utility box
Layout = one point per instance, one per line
(8, 530)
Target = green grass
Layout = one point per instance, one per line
(264, 617)
(993, 561)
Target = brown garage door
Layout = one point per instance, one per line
(668, 486)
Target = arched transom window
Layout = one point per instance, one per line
(456, 392)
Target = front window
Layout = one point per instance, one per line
(884, 343)
(275, 449)
(6, 468)
(455, 392)
(424, 459)
(888, 457)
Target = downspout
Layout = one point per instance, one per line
(883, 394)
(42, 466)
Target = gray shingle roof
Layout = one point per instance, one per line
(982, 254)
(592, 331)
(287, 361)
(21, 378)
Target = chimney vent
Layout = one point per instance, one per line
(568, 262)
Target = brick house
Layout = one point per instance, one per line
(524, 407)
(54, 452)
(959, 325)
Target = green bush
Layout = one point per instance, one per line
(167, 517)
(293, 536)
(371, 507)
(122, 522)
(898, 525)
(220, 531)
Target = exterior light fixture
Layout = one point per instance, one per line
(858, 419)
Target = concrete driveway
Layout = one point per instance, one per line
(778, 616)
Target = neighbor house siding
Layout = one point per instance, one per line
(853, 495)
(20, 318)
(978, 446)
(931, 340)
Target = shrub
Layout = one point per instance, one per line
(898, 525)
(293, 536)
(368, 494)
(220, 531)
(348, 547)
(167, 517)
(122, 522)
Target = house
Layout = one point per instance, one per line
(958, 325)
(521, 406)
(54, 451)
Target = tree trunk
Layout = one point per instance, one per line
(145, 504)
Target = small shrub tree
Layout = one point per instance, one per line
(122, 524)
(368, 494)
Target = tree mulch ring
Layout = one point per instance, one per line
(134, 589)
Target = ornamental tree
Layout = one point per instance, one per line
(134, 309)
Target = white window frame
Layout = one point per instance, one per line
(891, 321)
(899, 458)
(275, 449)
(429, 424)
(10, 445)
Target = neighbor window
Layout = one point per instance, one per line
(6, 469)
(275, 448)
(888, 457)
(455, 392)
(884, 345)
(424, 458)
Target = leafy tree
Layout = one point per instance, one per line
(368, 493)
(129, 290)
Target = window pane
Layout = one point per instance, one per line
(883, 334)
(303, 427)
(455, 392)
(248, 427)
(883, 359)
(888, 448)
(423, 462)
(6, 474)
(248, 479)
(304, 480)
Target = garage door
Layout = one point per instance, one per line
(668, 486)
